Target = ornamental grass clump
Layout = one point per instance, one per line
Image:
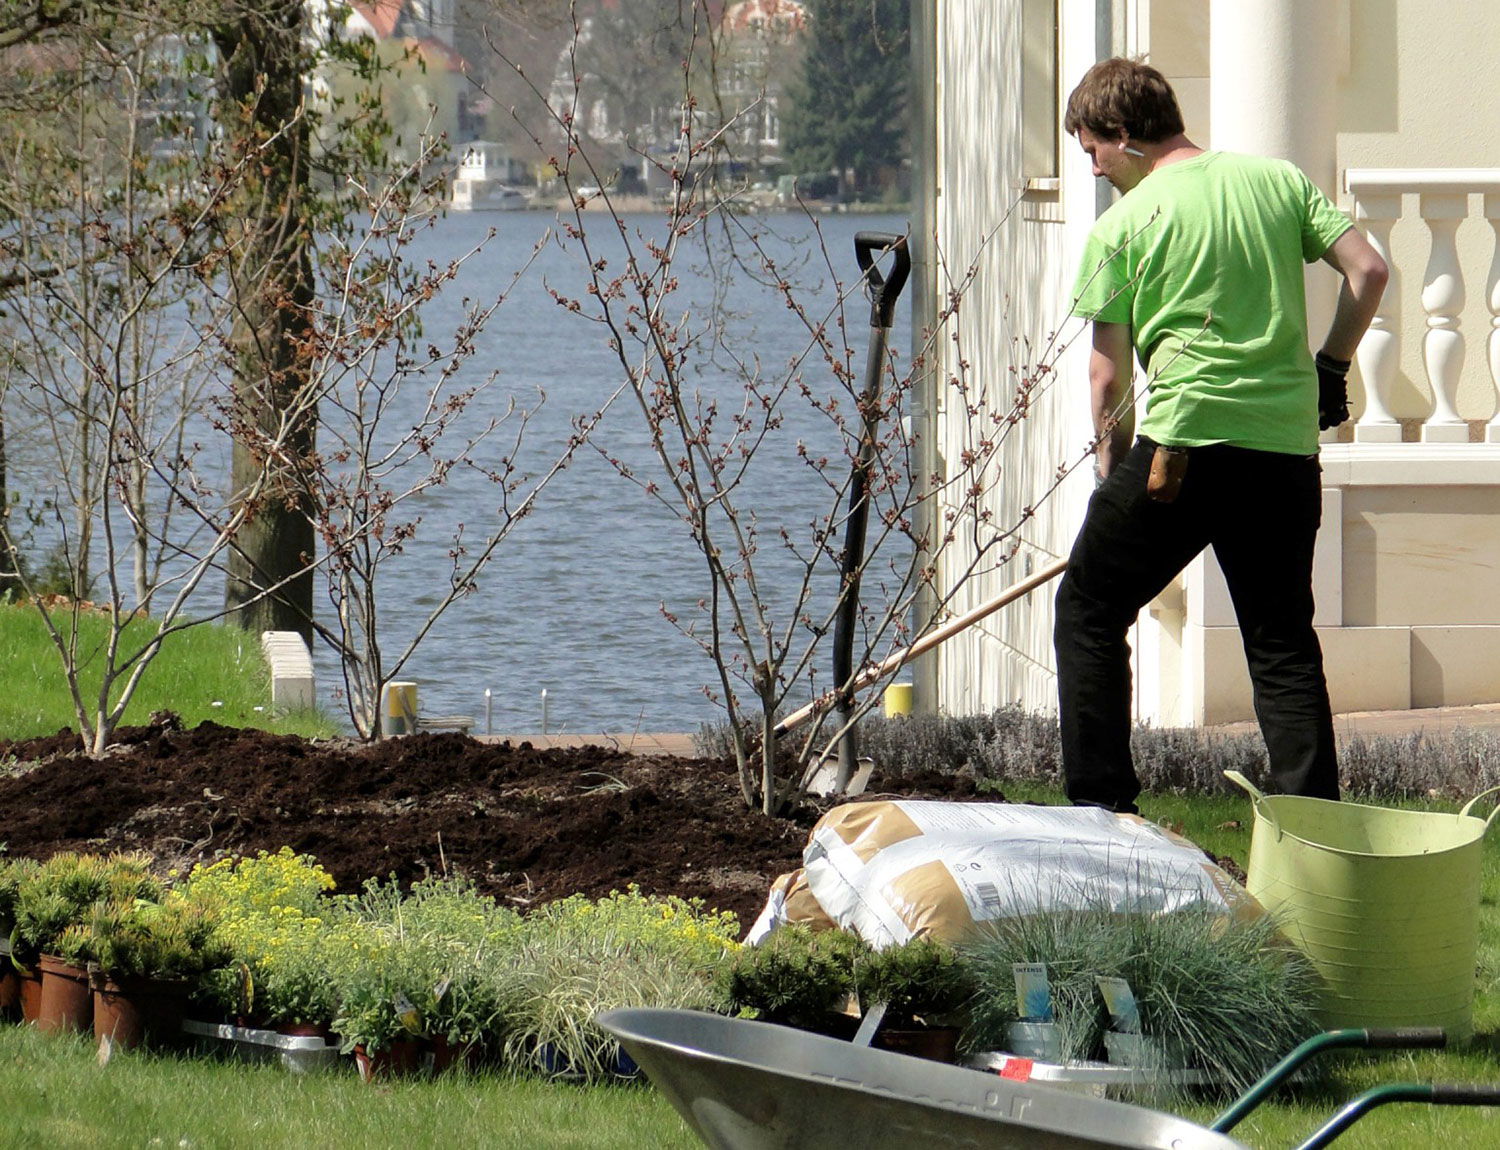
(571, 960)
(1229, 993)
(1075, 945)
(1216, 993)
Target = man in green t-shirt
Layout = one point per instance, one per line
(1197, 272)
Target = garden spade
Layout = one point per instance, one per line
(882, 291)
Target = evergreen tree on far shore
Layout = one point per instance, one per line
(847, 111)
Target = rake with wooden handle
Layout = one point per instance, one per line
(926, 643)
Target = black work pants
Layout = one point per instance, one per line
(1260, 512)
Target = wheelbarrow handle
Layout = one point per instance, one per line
(1437, 1094)
(883, 290)
(1465, 1094)
(1407, 1038)
(1404, 1038)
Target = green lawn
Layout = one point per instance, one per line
(206, 672)
(57, 1095)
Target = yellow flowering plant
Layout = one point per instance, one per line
(283, 934)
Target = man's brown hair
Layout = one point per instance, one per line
(1118, 95)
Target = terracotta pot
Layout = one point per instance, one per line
(444, 1055)
(129, 1010)
(10, 989)
(67, 1002)
(30, 994)
(401, 1059)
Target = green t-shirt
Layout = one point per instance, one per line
(1203, 258)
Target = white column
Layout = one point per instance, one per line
(1273, 81)
(1380, 349)
(1492, 301)
(1273, 91)
(1443, 300)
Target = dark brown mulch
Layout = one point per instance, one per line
(527, 825)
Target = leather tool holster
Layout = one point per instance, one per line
(1168, 466)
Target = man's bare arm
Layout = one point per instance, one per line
(1110, 372)
(1365, 275)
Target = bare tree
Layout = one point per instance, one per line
(143, 290)
(717, 417)
(400, 416)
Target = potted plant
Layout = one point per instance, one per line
(13, 976)
(798, 977)
(923, 984)
(57, 895)
(386, 987)
(277, 972)
(141, 956)
(460, 927)
(281, 933)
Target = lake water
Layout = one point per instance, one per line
(573, 603)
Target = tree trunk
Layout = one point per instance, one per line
(9, 572)
(270, 583)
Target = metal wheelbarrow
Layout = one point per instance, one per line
(756, 1086)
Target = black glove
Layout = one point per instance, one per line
(1333, 390)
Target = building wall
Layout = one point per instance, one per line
(1013, 326)
(1407, 554)
(1421, 91)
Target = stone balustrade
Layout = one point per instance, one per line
(1442, 197)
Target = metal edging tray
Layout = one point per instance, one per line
(299, 1053)
(1095, 1077)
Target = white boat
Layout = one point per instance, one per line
(480, 182)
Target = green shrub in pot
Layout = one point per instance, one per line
(173, 939)
(797, 976)
(923, 980)
(12, 873)
(62, 890)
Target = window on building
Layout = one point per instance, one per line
(1039, 102)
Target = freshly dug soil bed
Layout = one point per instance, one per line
(527, 825)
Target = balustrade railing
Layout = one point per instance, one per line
(1442, 196)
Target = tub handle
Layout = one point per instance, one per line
(1468, 806)
(1262, 808)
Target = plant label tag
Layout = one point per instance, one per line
(1033, 991)
(407, 1013)
(1119, 1000)
(1017, 1069)
(441, 989)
